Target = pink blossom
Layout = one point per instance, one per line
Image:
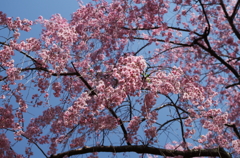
(236, 145)
(151, 132)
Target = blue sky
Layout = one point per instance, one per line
(31, 9)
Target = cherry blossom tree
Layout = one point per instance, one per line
(154, 77)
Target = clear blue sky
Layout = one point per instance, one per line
(31, 9)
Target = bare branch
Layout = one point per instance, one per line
(213, 53)
(141, 48)
(160, 40)
(235, 10)
(31, 142)
(231, 18)
(157, 27)
(181, 122)
(232, 85)
(205, 14)
(92, 92)
(121, 125)
(234, 129)
(140, 149)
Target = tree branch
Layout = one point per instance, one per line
(92, 92)
(141, 49)
(181, 122)
(234, 129)
(232, 85)
(205, 14)
(34, 60)
(230, 19)
(142, 149)
(157, 27)
(31, 141)
(53, 74)
(235, 10)
(121, 125)
(169, 121)
(160, 40)
(213, 53)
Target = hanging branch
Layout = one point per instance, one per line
(181, 122)
(29, 139)
(121, 125)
